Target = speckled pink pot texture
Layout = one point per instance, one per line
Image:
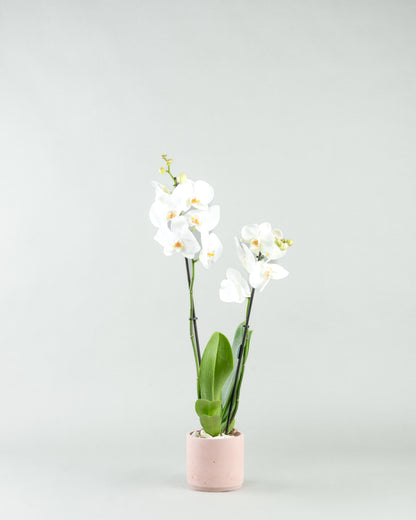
(215, 464)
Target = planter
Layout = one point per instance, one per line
(215, 464)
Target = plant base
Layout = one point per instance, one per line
(215, 464)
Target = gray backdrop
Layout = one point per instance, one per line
(299, 113)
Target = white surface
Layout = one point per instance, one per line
(105, 481)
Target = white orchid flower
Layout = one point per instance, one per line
(211, 249)
(261, 239)
(245, 256)
(160, 214)
(235, 288)
(204, 221)
(201, 194)
(168, 206)
(178, 239)
(265, 271)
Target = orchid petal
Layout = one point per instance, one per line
(235, 288)
(278, 272)
(245, 256)
(203, 191)
(211, 249)
(249, 232)
(156, 212)
(204, 221)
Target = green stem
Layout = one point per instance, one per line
(241, 358)
(226, 405)
(175, 182)
(193, 330)
(237, 393)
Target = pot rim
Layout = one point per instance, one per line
(218, 438)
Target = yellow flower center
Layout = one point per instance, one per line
(211, 255)
(195, 201)
(171, 215)
(195, 221)
(268, 273)
(255, 242)
(178, 245)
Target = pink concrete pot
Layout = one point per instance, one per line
(215, 464)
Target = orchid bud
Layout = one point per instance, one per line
(182, 178)
(164, 156)
(290, 242)
(169, 162)
(283, 247)
(162, 170)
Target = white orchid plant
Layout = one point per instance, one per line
(185, 218)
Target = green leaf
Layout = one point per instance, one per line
(224, 425)
(205, 407)
(248, 339)
(228, 385)
(211, 424)
(209, 415)
(216, 366)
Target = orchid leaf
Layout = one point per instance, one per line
(224, 425)
(209, 415)
(211, 424)
(205, 407)
(228, 385)
(216, 366)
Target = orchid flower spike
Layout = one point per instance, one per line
(257, 251)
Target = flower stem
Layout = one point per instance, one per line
(175, 182)
(241, 355)
(193, 329)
